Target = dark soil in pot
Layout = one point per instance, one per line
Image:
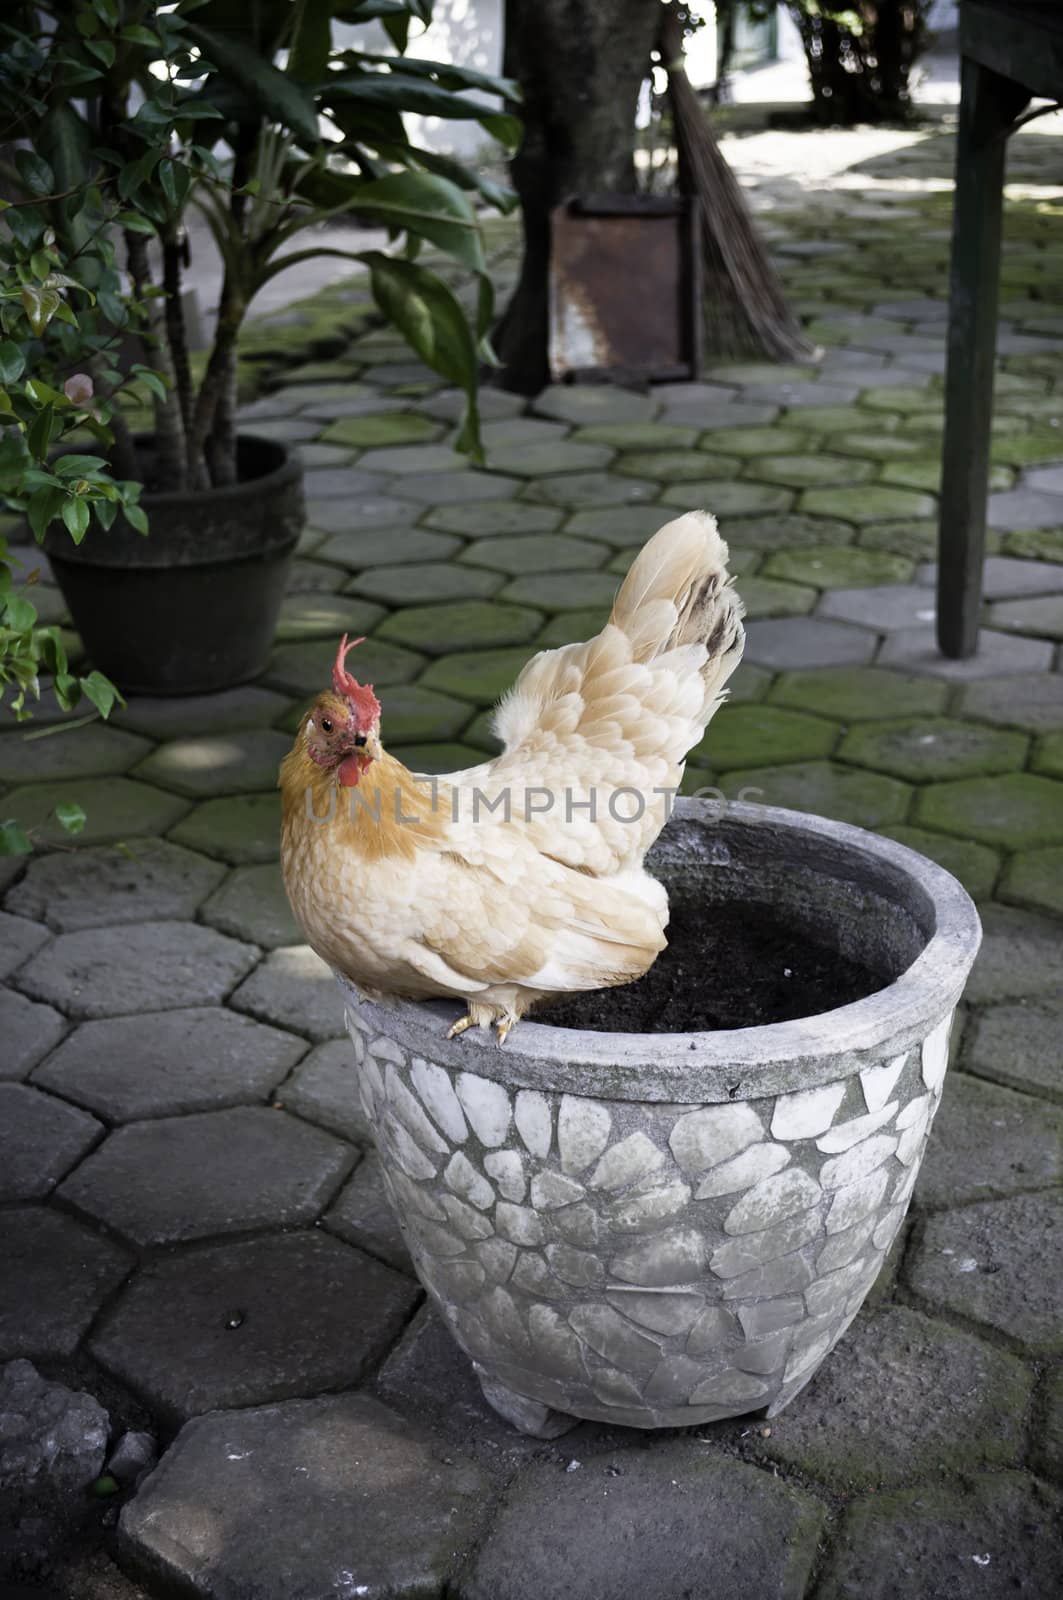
(193, 606)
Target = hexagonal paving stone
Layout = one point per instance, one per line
(607, 1518)
(728, 499)
(348, 518)
(884, 607)
(212, 1173)
(40, 1140)
(1020, 956)
(28, 1030)
(306, 668)
(539, 459)
(390, 547)
(435, 458)
(870, 503)
(721, 416)
(481, 676)
(324, 1089)
(363, 1216)
(243, 828)
(1035, 878)
(1048, 1444)
(1007, 578)
(879, 446)
(225, 712)
(95, 751)
(551, 552)
(563, 591)
(104, 972)
(637, 435)
(589, 402)
(1015, 811)
(939, 1537)
(618, 525)
(449, 404)
(975, 865)
(1033, 702)
(523, 430)
(1018, 1045)
(316, 615)
(916, 649)
(924, 748)
(801, 471)
(987, 1264)
(788, 532)
(294, 989)
(753, 441)
(236, 1324)
(116, 809)
(169, 1063)
(341, 483)
(146, 880)
(252, 905)
(237, 1463)
(578, 489)
(459, 625)
(427, 582)
(844, 567)
(231, 763)
(487, 518)
(987, 1143)
(1041, 615)
(858, 694)
(677, 466)
(738, 735)
(807, 642)
(847, 795)
(455, 488)
(19, 939)
(768, 597)
(55, 1273)
(908, 538)
(906, 1396)
(387, 428)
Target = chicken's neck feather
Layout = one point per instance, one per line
(388, 814)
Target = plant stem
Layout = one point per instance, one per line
(169, 428)
(177, 338)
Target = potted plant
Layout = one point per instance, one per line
(663, 1204)
(259, 116)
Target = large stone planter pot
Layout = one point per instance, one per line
(192, 607)
(668, 1228)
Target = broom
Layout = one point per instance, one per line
(745, 308)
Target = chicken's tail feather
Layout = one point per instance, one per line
(678, 593)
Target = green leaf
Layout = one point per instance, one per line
(406, 92)
(13, 840)
(76, 516)
(35, 172)
(106, 511)
(102, 49)
(102, 692)
(27, 224)
(136, 517)
(421, 203)
(277, 97)
(151, 380)
(70, 816)
(73, 466)
(174, 180)
(135, 34)
(19, 613)
(311, 40)
(12, 362)
(39, 436)
(43, 508)
(430, 319)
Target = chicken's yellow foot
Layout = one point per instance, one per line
(503, 1027)
(460, 1026)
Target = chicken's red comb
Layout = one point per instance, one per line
(363, 701)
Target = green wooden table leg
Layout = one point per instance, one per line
(989, 105)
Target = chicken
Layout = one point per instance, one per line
(522, 877)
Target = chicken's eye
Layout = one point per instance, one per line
(326, 725)
(359, 740)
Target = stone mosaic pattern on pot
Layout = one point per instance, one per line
(646, 1264)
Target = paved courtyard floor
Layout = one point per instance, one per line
(194, 1230)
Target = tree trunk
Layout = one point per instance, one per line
(580, 64)
(861, 75)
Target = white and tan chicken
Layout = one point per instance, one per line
(523, 877)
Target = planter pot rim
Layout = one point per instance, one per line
(733, 1063)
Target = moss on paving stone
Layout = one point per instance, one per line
(306, 669)
(1043, 544)
(924, 748)
(481, 676)
(570, 627)
(550, 552)
(1015, 811)
(939, 1536)
(801, 471)
(975, 865)
(1033, 701)
(579, 489)
(651, 436)
(316, 615)
(619, 524)
(787, 532)
(459, 625)
(1048, 756)
(424, 582)
(387, 547)
(752, 441)
(563, 591)
(1027, 449)
(372, 431)
(768, 597)
(676, 466)
(238, 829)
(726, 499)
(837, 421)
(903, 1396)
(1035, 878)
(894, 399)
(918, 540)
(838, 567)
(535, 459)
(857, 694)
(741, 734)
(871, 503)
(437, 757)
(844, 793)
(487, 518)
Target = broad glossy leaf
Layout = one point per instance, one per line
(12, 362)
(75, 514)
(70, 816)
(35, 172)
(14, 841)
(434, 208)
(404, 92)
(102, 692)
(278, 97)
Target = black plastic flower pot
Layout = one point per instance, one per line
(192, 607)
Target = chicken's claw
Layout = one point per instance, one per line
(502, 1028)
(460, 1026)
